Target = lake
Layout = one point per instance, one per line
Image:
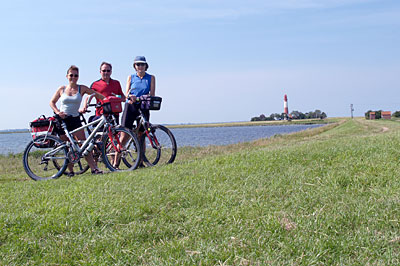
(197, 136)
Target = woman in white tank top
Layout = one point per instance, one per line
(70, 97)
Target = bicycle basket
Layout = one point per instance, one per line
(42, 126)
(151, 103)
(111, 105)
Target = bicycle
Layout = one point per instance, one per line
(157, 141)
(82, 166)
(47, 156)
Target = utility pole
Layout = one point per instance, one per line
(351, 110)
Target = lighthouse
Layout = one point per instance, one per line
(285, 107)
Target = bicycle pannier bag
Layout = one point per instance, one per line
(42, 126)
(112, 105)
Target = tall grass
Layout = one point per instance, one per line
(328, 195)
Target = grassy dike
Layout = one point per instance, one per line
(329, 195)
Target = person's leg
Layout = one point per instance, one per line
(89, 158)
(61, 134)
(70, 165)
(128, 117)
(146, 114)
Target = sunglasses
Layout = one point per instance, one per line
(140, 64)
(73, 75)
(106, 70)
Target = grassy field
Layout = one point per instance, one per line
(326, 196)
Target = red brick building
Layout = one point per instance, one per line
(386, 114)
(371, 115)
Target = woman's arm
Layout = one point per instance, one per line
(132, 99)
(153, 86)
(55, 99)
(86, 90)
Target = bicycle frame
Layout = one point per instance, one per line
(143, 121)
(49, 155)
(100, 122)
(160, 142)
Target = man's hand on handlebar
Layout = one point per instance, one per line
(122, 97)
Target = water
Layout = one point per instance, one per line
(201, 136)
(204, 136)
(14, 142)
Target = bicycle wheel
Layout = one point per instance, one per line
(42, 155)
(114, 151)
(159, 147)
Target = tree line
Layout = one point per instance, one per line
(378, 114)
(293, 115)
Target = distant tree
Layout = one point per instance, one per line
(396, 114)
(293, 115)
(297, 115)
(276, 116)
(309, 115)
(378, 114)
(317, 113)
(262, 117)
(367, 114)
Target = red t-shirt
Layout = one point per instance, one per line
(107, 89)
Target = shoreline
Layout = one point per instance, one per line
(229, 124)
(258, 123)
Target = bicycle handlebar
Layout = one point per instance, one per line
(140, 99)
(98, 104)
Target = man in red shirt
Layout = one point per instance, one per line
(106, 85)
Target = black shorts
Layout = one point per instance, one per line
(72, 122)
(131, 112)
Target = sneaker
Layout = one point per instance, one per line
(97, 171)
(70, 174)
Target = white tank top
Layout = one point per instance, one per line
(70, 104)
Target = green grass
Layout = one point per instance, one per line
(324, 196)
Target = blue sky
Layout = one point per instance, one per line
(214, 61)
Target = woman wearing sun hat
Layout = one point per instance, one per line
(138, 84)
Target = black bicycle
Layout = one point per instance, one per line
(157, 141)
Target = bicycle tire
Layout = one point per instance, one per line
(165, 152)
(39, 152)
(130, 155)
